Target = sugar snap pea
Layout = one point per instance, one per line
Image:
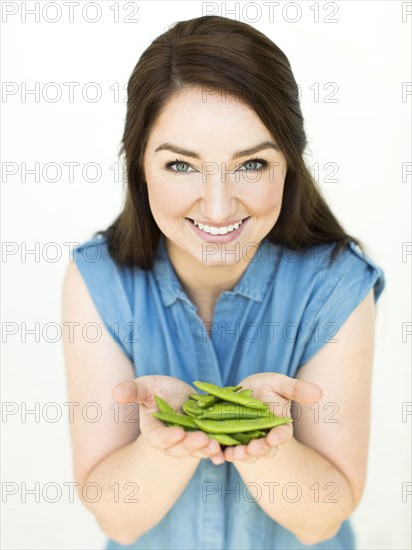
(245, 438)
(176, 418)
(226, 411)
(247, 393)
(162, 405)
(230, 415)
(195, 396)
(235, 426)
(206, 401)
(192, 408)
(229, 395)
(224, 439)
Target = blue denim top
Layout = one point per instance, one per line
(280, 313)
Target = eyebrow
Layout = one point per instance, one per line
(250, 151)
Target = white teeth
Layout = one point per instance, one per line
(217, 230)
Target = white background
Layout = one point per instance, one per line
(366, 133)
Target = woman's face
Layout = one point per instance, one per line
(203, 182)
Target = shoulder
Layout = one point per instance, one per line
(94, 278)
(351, 272)
(316, 273)
(93, 252)
(99, 270)
(328, 290)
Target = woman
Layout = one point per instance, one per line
(225, 265)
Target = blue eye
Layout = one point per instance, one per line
(181, 166)
(250, 165)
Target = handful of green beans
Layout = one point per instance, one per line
(228, 414)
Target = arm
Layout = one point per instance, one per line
(322, 452)
(113, 453)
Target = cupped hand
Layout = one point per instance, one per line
(278, 391)
(174, 441)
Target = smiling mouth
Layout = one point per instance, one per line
(222, 230)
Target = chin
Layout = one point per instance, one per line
(220, 255)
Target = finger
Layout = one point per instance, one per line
(279, 435)
(301, 391)
(211, 449)
(131, 391)
(229, 453)
(258, 447)
(239, 454)
(161, 437)
(218, 458)
(193, 442)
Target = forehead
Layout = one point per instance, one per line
(205, 117)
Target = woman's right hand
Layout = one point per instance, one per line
(173, 441)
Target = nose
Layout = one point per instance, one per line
(218, 204)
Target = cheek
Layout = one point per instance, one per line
(268, 197)
(166, 199)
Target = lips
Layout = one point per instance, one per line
(218, 229)
(219, 233)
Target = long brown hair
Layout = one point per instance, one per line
(213, 52)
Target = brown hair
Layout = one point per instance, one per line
(222, 54)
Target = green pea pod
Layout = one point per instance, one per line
(235, 426)
(229, 395)
(224, 439)
(226, 411)
(192, 408)
(247, 393)
(195, 396)
(245, 438)
(233, 388)
(176, 418)
(206, 401)
(162, 405)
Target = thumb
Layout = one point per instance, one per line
(301, 391)
(131, 391)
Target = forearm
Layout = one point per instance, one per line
(293, 490)
(156, 480)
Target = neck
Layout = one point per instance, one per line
(204, 284)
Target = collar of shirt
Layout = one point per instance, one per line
(252, 284)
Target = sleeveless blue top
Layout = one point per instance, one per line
(281, 312)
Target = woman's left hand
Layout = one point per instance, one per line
(278, 391)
